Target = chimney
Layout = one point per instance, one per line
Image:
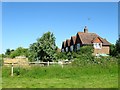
(85, 29)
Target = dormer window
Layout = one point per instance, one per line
(97, 45)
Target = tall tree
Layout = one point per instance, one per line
(118, 46)
(44, 49)
(8, 51)
(113, 51)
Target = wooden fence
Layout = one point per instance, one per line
(12, 64)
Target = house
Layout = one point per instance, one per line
(101, 46)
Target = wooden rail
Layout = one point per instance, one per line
(47, 63)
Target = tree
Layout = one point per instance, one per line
(113, 51)
(44, 49)
(8, 51)
(118, 46)
(20, 51)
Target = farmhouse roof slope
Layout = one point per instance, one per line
(87, 38)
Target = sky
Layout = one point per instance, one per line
(119, 18)
(24, 22)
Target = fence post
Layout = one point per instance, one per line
(48, 63)
(62, 64)
(12, 69)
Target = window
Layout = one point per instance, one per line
(78, 46)
(62, 50)
(66, 49)
(97, 45)
(71, 48)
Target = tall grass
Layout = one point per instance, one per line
(103, 74)
(68, 71)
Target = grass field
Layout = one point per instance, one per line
(0, 77)
(85, 76)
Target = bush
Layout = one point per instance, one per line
(83, 60)
(61, 55)
(91, 60)
(17, 71)
(86, 50)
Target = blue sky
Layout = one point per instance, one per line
(23, 23)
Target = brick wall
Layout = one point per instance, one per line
(104, 50)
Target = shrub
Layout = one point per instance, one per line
(86, 50)
(61, 55)
(17, 71)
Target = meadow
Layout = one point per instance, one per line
(95, 75)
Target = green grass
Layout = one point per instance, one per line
(0, 77)
(103, 75)
(83, 82)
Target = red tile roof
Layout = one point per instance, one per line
(97, 40)
(87, 38)
(68, 42)
(64, 43)
(74, 39)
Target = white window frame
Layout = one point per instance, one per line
(97, 45)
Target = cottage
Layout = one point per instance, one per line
(101, 46)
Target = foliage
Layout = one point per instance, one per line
(118, 46)
(17, 71)
(7, 52)
(84, 53)
(19, 52)
(82, 60)
(86, 50)
(115, 49)
(69, 55)
(61, 55)
(85, 60)
(44, 49)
